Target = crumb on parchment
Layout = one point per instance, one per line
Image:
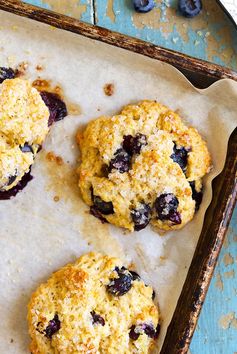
(109, 89)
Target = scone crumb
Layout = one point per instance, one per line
(52, 157)
(109, 89)
(56, 198)
(39, 67)
(21, 68)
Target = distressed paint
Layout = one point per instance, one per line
(209, 36)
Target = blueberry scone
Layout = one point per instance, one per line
(23, 127)
(143, 165)
(95, 305)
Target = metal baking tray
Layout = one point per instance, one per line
(218, 215)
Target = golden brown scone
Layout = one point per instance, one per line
(23, 128)
(93, 306)
(141, 166)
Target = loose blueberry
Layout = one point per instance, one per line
(6, 73)
(97, 319)
(135, 276)
(136, 331)
(121, 161)
(121, 285)
(53, 327)
(27, 148)
(180, 156)
(141, 217)
(132, 145)
(143, 5)
(105, 208)
(166, 207)
(56, 106)
(197, 196)
(190, 8)
(95, 212)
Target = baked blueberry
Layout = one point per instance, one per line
(136, 331)
(143, 5)
(27, 148)
(105, 208)
(190, 8)
(95, 212)
(121, 161)
(141, 217)
(53, 327)
(180, 156)
(135, 276)
(11, 179)
(132, 145)
(6, 73)
(197, 196)
(166, 207)
(56, 106)
(97, 319)
(121, 285)
(153, 294)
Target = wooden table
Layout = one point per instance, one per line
(209, 36)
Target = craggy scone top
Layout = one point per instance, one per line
(143, 165)
(23, 128)
(93, 306)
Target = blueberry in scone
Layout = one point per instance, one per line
(142, 166)
(95, 305)
(23, 128)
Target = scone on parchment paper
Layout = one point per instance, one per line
(23, 128)
(143, 165)
(93, 306)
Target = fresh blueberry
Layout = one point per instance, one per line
(190, 8)
(143, 5)
(6, 73)
(135, 276)
(53, 327)
(27, 148)
(180, 156)
(105, 208)
(97, 319)
(197, 196)
(121, 161)
(141, 217)
(56, 106)
(121, 285)
(97, 214)
(136, 331)
(132, 145)
(166, 207)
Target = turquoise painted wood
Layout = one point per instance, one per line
(210, 36)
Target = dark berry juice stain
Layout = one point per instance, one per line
(197, 196)
(135, 276)
(53, 327)
(166, 207)
(180, 156)
(56, 106)
(121, 285)
(141, 217)
(4, 195)
(97, 319)
(95, 212)
(6, 73)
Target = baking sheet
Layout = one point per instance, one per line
(39, 235)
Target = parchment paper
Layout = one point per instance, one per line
(39, 235)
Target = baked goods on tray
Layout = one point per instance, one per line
(95, 305)
(142, 166)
